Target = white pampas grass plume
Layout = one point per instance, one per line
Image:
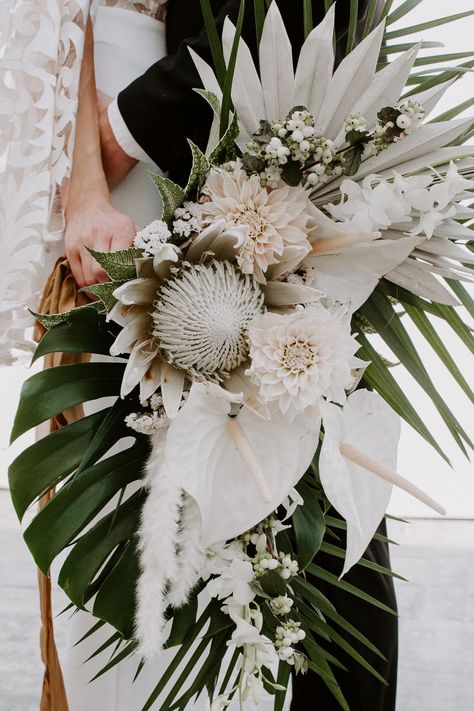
(158, 539)
(190, 554)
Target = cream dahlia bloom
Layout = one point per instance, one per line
(276, 222)
(301, 357)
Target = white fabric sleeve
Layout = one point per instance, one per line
(123, 136)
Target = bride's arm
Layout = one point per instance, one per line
(90, 218)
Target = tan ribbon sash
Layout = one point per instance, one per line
(60, 294)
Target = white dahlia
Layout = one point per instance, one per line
(201, 317)
(276, 221)
(301, 357)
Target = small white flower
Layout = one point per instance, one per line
(151, 238)
(234, 582)
(301, 357)
(146, 422)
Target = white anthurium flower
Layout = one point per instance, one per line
(238, 469)
(300, 357)
(360, 497)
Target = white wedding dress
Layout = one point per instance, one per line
(126, 43)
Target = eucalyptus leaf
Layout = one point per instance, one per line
(119, 265)
(172, 195)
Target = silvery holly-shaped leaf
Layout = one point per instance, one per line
(367, 423)
(203, 456)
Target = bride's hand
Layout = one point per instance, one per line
(93, 222)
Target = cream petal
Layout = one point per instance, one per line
(278, 293)
(162, 262)
(137, 291)
(144, 267)
(151, 380)
(360, 497)
(172, 385)
(206, 74)
(205, 460)
(136, 368)
(136, 329)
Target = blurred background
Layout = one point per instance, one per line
(436, 555)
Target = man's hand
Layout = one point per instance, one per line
(96, 224)
(117, 164)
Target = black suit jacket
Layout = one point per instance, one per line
(161, 109)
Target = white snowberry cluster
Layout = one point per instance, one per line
(152, 237)
(296, 139)
(355, 122)
(286, 635)
(283, 564)
(188, 219)
(281, 605)
(407, 117)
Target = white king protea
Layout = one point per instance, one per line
(301, 357)
(201, 317)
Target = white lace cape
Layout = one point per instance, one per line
(41, 45)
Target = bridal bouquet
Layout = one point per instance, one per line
(240, 328)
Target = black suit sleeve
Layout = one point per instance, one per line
(161, 109)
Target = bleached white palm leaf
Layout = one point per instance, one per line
(425, 139)
(430, 98)
(276, 65)
(369, 424)
(315, 65)
(247, 92)
(351, 275)
(350, 80)
(206, 74)
(410, 275)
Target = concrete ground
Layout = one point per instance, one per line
(436, 616)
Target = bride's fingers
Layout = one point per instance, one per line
(76, 266)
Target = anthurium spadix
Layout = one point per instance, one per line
(357, 466)
(237, 466)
